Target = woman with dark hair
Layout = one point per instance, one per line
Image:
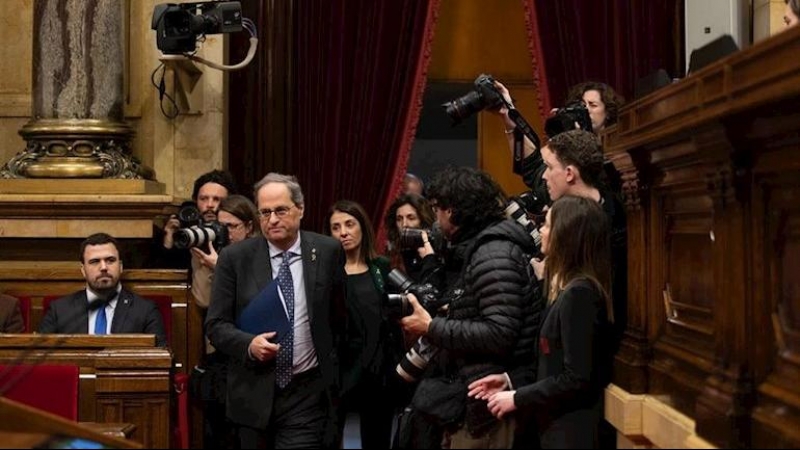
(791, 15)
(575, 341)
(374, 342)
(600, 99)
(408, 211)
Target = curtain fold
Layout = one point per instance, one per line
(359, 75)
(614, 41)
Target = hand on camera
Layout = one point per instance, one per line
(207, 259)
(427, 248)
(419, 321)
(503, 111)
(172, 225)
(487, 386)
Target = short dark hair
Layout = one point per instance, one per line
(98, 239)
(581, 149)
(420, 205)
(367, 248)
(611, 99)
(220, 177)
(476, 199)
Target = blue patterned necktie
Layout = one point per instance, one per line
(101, 323)
(286, 353)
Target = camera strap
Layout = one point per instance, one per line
(523, 129)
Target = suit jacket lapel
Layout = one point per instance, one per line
(121, 311)
(81, 303)
(261, 265)
(308, 247)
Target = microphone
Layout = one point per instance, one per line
(22, 358)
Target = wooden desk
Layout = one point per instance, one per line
(124, 378)
(711, 172)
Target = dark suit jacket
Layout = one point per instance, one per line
(243, 270)
(10, 315)
(133, 315)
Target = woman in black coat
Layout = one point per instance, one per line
(575, 341)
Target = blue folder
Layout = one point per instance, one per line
(265, 313)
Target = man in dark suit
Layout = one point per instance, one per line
(10, 315)
(103, 307)
(281, 393)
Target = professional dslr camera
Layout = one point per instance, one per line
(178, 26)
(398, 306)
(484, 96)
(519, 208)
(196, 233)
(565, 119)
(411, 238)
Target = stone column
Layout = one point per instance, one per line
(77, 129)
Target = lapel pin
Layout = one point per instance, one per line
(313, 254)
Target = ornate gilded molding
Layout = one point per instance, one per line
(76, 149)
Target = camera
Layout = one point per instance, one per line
(178, 26)
(411, 238)
(398, 306)
(485, 95)
(201, 235)
(518, 209)
(188, 214)
(416, 360)
(565, 119)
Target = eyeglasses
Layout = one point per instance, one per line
(233, 226)
(281, 212)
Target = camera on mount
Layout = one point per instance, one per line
(520, 209)
(179, 25)
(194, 232)
(484, 96)
(411, 238)
(566, 118)
(398, 306)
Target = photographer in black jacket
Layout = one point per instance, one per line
(492, 320)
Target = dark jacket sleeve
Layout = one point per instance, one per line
(532, 170)
(49, 323)
(220, 322)
(578, 316)
(498, 282)
(154, 324)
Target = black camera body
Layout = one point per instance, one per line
(178, 25)
(484, 96)
(565, 119)
(398, 306)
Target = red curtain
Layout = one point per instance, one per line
(360, 71)
(613, 41)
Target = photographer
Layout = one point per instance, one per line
(409, 211)
(491, 320)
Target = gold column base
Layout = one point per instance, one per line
(76, 148)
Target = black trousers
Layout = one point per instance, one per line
(301, 417)
(372, 402)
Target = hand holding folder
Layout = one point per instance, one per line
(265, 313)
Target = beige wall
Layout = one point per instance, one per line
(767, 18)
(179, 150)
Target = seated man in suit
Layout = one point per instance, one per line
(103, 307)
(10, 315)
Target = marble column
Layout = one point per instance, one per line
(77, 129)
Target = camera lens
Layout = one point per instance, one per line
(464, 106)
(196, 236)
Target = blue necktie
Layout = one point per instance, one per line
(285, 356)
(101, 323)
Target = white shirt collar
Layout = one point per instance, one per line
(91, 296)
(275, 252)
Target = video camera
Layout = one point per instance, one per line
(194, 232)
(179, 25)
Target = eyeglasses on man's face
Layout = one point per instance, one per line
(281, 212)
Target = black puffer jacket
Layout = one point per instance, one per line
(493, 320)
